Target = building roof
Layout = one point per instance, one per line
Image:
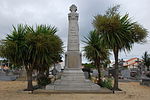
(131, 59)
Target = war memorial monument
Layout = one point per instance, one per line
(73, 79)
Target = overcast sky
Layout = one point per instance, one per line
(54, 12)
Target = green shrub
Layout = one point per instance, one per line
(107, 83)
(43, 81)
(89, 65)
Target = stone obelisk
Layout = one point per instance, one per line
(73, 56)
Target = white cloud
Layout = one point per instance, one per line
(54, 12)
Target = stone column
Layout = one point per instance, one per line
(73, 58)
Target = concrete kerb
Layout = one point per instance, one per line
(71, 92)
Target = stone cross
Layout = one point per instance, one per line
(73, 56)
(73, 8)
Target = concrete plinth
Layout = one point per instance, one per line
(73, 80)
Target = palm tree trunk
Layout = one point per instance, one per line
(47, 72)
(116, 70)
(147, 68)
(40, 76)
(99, 75)
(29, 79)
(89, 74)
(99, 71)
(41, 73)
(29, 71)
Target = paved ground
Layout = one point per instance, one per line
(9, 90)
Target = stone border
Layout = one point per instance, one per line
(72, 91)
(119, 92)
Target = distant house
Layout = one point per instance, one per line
(132, 63)
(4, 67)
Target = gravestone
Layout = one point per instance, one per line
(95, 73)
(125, 73)
(2, 73)
(105, 72)
(86, 74)
(145, 80)
(7, 76)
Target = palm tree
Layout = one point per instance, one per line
(31, 48)
(117, 33)
(44, 46)
(146, 60)
(139, 33)
(94, 51)
(15, 49)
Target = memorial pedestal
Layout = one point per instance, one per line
(73, 79)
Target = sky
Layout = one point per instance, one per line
(55, 13)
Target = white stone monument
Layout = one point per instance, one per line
(72, 78)
(73, 56)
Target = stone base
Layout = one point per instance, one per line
(73, 80)
(73, 59)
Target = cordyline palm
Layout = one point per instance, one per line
(44, 46)
(44, 41)
(14, 46)
(117, 33)
(15, 49)
(146, 60)
(94, 51)
(31, 48)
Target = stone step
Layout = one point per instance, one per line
(73, 88)
(81, 77)
(73, 80)
(54, 87)
(75, 83)
(72, 75)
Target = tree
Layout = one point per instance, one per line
(105, 63)
(31, 48)
(46, 48)
(15, 49)
(118, 33)
(146, 60)
(95, 52)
